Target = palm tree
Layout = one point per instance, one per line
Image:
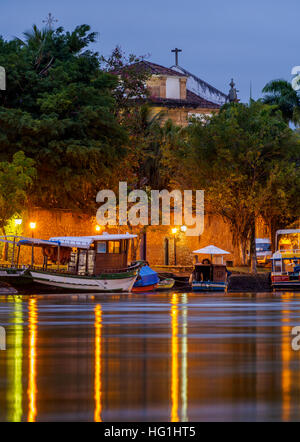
(36, 39)
(281, 93)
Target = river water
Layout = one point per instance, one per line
(150, 357)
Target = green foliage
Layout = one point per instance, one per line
(281, 94)
(59, 109)
(239, 157)
(16, 177)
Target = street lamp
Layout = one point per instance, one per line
(176, 233)
(98, 228)
(32, 225)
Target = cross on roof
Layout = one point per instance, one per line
(50, 20)
(176, 50)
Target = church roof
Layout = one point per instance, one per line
(156, 69)
(201, 87)
(192, 100)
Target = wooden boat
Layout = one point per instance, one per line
(209, 276)
(165, 284)
(285, 273)
(86, 263)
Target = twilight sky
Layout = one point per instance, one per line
(253, 40)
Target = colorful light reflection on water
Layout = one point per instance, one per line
(154, 357)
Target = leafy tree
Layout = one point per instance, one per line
(235, 157)
(16, 177)
(59, 109)
(281, 94)
(132, 88)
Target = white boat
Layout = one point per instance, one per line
(286, 260)
(85, 263)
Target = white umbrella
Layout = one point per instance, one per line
(211, 250)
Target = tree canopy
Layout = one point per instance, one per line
(59, 110)
(240, 157)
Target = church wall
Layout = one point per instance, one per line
(51, 223)
(179, 116)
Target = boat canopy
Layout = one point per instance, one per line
(37, 242)
(287, 231)
(211, 250)
(147, 277)
(84, 242)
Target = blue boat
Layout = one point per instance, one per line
(146, 280)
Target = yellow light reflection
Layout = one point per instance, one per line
(286, 351)
(174, 349)
(32, 389)
(14, 365)
(184, 367)
(97, 381)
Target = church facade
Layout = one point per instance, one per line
(180, 95)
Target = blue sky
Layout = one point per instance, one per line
(254, 40)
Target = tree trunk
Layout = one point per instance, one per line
(253, 248)
(5, 247)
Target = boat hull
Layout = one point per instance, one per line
(289, 285)
(146, 288)
(15, 277)
(110, 283)
(166, 284)
(209, 286)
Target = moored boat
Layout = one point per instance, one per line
(86, 263)
(286, 260)
(207, 275)
(165, 284)
(146, 281)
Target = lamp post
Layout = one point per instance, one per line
(32, 225)
(176, 234)
(18, 222)
(174, 231)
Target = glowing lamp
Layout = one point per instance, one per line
(174, 230)
(32, 225)
(18, 222)
(98, 228)
(183, 228)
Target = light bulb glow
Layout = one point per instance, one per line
(32, 225)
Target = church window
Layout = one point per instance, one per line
(172, 88)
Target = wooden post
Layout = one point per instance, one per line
(32, 255)
(13, 252)
(18, 256)
(58, 256)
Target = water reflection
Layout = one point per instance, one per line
(160, 357)
(286, 351)
(179, 338)
(174, 354)
(97, 381)
(14, 363)
(32, 389)
(184, 354)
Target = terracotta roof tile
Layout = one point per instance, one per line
(192, 100)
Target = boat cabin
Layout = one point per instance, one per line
(209, 272)
(83, 255)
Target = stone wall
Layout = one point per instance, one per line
(51, 223)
